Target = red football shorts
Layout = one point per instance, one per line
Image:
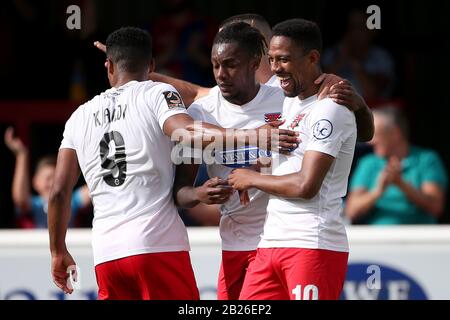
(151, 276)
(295, 274)
(232, 273)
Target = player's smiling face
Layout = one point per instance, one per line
(289, 64)
(234, 70)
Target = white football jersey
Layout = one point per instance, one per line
(124, 156)
(240, 227)
(273, 82)
(326, 127)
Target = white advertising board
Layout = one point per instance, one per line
(396, 262)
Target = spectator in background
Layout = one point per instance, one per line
(182, 42)
(32, 209)
(399, 183)
(368, 67)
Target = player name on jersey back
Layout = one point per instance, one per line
(106, 116)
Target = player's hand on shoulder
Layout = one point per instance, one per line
(326, 81)
(344, 94)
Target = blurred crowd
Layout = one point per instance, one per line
(393, 181)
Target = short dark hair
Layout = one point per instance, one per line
(257, 21)
(245, 36)
(130, 48)
(306, 34)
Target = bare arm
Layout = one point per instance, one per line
(189, 91)
(364, 123)
(21, 190)
(59, 204)
(206, 215)
(303, 184)
(59, 210)
(213, 191)
(430, 197)
(181, 128)
(21, 182)
(183, 190)
(343, 93)
(360, 202)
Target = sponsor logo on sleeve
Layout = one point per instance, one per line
(173, 100)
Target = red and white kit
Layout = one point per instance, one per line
(124, 156)
(240, 226)
(303, 250)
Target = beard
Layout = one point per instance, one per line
(295, 91)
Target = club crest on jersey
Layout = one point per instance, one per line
(269, 117)
(296, 120)
(173, 99)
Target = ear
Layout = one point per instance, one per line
(314, 57)
(109, 66)
(255, 62)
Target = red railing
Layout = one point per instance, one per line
(22, 114)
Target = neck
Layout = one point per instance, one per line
(124, 78)
(245, 97)
(312, 88)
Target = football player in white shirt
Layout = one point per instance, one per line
(239, 101)
(121, 141)
(191, 92)
(303, 250)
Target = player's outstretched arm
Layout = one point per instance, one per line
(59, 210)
(182, 128)
(188, 90)
(304, 184)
